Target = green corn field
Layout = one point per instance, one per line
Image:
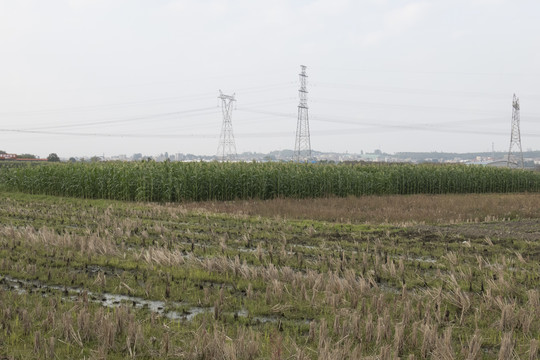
(199, 181)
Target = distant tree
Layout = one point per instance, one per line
(53, 157)
(26, 156)
(72, 160)
(95, 159)
(3, 152)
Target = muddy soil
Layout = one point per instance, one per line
(501, 230)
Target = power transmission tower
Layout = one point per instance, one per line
(515, 157)
(227, 148)
(302, 147)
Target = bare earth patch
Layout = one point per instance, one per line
(516, 229)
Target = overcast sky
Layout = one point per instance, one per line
(93, 77)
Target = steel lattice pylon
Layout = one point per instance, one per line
(302, 147)
(227, 148)
(515, 153)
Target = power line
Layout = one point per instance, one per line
(453, 73)
(407, 90)
(175, 99)
(399, 106)
(103, 106)
(201, 111)
(141, 136)
(302, 133)
(367, 122)
(334, 132)
(267, 112)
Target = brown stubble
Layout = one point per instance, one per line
(391, 209)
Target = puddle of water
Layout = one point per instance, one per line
(116, 300)
(425, 259)
(106, 299)
(389, 289)
(311, 247)
(242, 313)
(271, 319)
(188, 314)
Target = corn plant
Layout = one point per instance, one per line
(172, 182)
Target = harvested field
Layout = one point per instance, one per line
(273, 279)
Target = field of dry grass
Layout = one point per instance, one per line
(456, 277)
(390, 209)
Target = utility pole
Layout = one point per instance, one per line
(515, 154)
(227, 148)
(302, 147)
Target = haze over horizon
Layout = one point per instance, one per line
(87, 77)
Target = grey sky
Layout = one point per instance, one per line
(87, 77)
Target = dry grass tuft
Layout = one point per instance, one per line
(399, 339)
(533, 351)
(507, 347)
(429, 341)
(458, 297)
(443, 346)
(472, 352)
